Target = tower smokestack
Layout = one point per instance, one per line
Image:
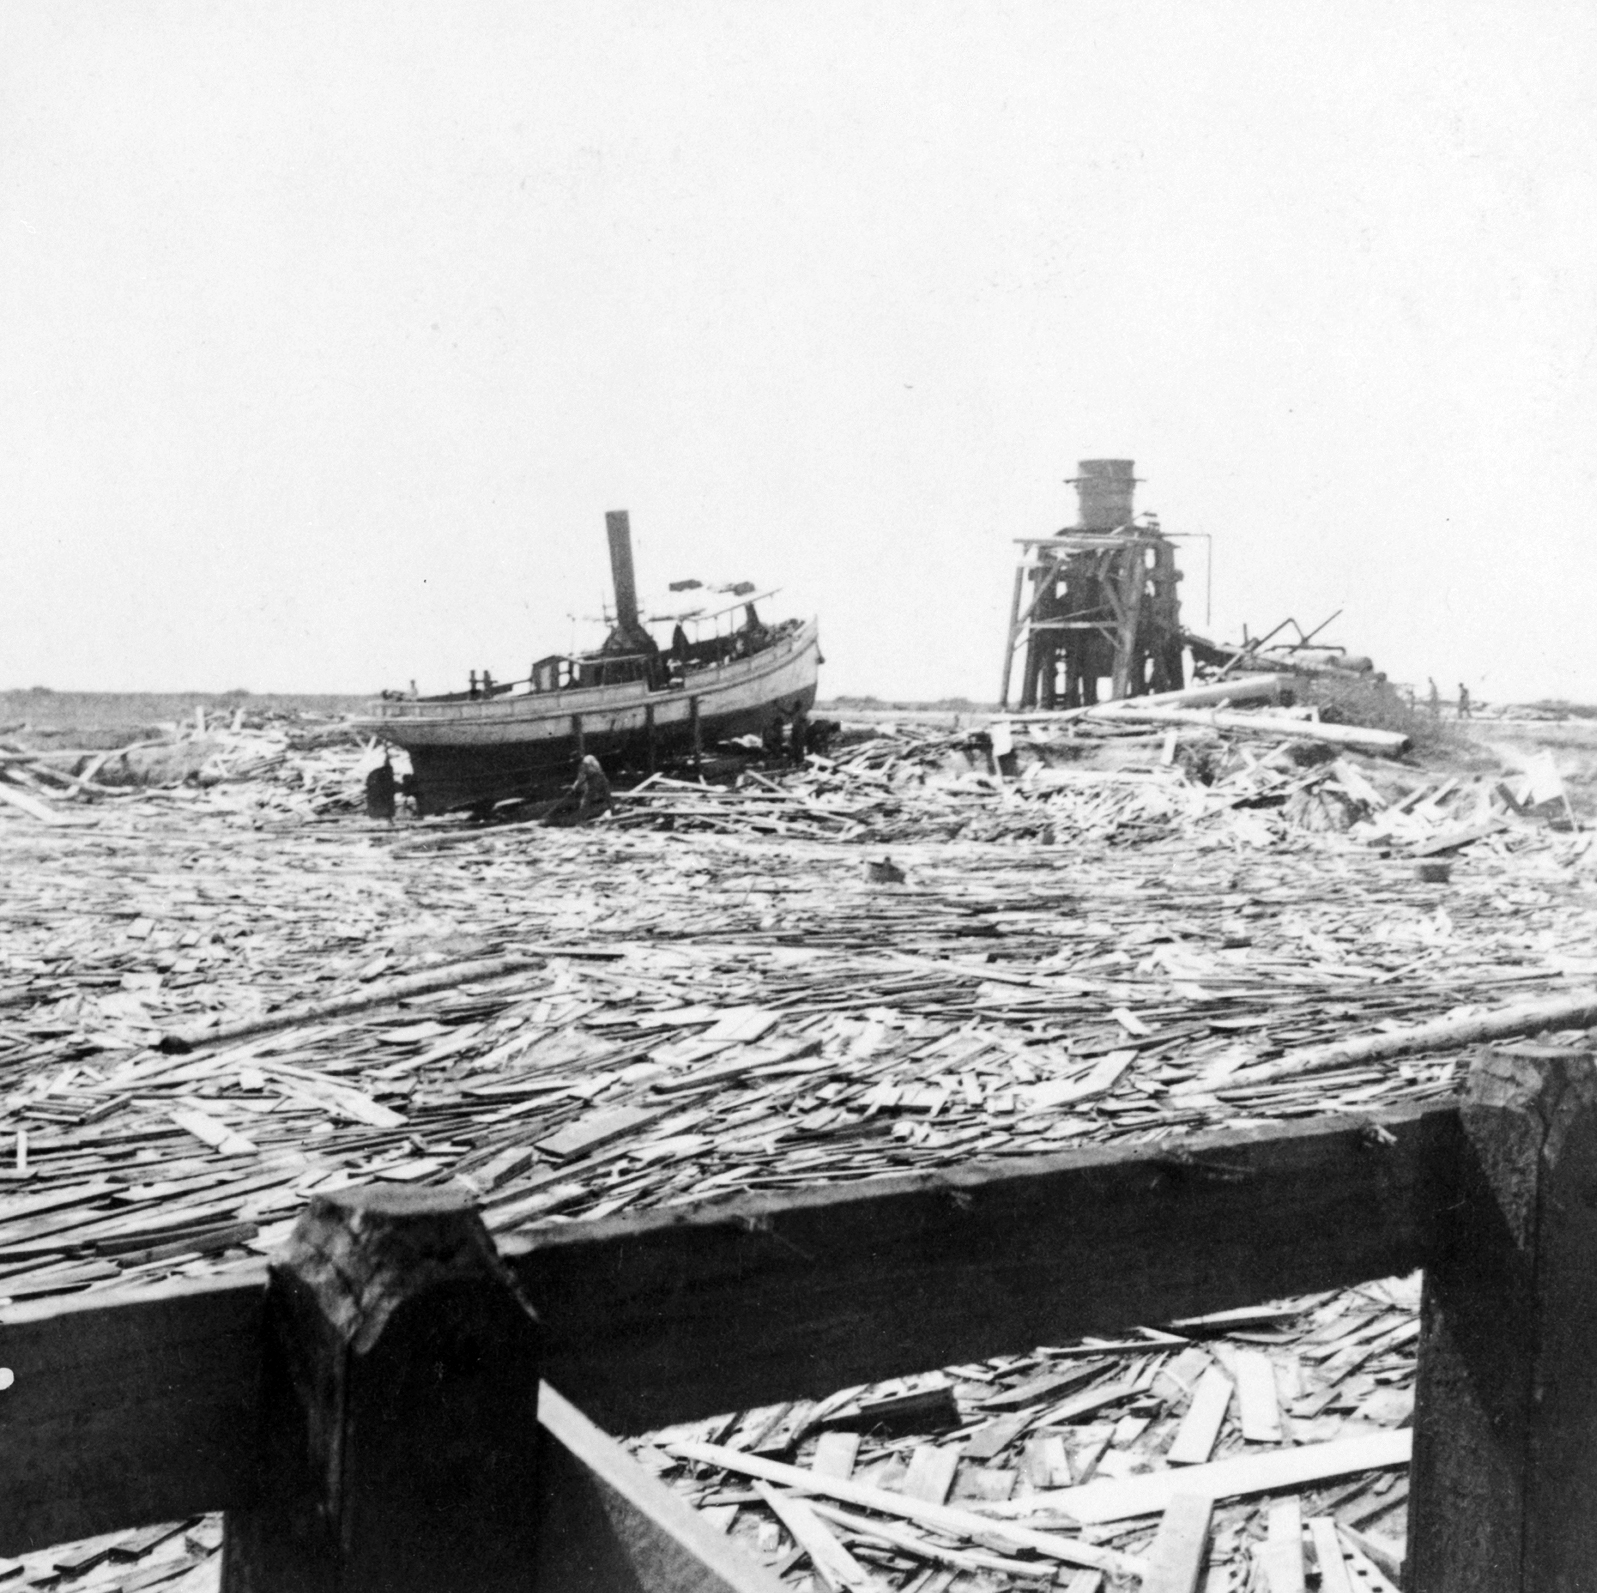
(1105, 489)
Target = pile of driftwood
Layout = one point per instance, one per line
(299, 766)
(1258, 1447)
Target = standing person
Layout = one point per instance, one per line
(1436, 701)
(1463, 701)
(798, 735)
(380, 791)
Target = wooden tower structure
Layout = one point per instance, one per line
(1095, 606)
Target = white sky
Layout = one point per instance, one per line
(328, 333)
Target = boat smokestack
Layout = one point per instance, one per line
(1105, 489)
(619, 530)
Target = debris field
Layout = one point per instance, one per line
(223, 993)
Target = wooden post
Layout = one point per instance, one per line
(1132, 577)
(1504, 1483)
(400, 1399)
(648, 724)
(1014, 627)
(579, 738)
(698, 735)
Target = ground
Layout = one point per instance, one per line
(890, 959)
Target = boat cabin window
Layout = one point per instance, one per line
(553, 673)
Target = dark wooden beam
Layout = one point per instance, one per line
(677, 1314)
(128, 1409)
(606, 1526)
(399, 1436)
(1504, 1490)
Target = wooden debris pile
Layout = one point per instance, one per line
(696, 1014)
(1254, 1449)
(1098, 780)
(292, 766)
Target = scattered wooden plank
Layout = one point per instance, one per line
(1328, 1556)
(1176, 1560)
(587, 1134)
(931, 1473)
(836, 1567)
(1256, 1401)
(1194, 1440)
(834, 1454)
(944, 1518)
(1117, 1499)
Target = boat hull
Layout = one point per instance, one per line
(467, 754)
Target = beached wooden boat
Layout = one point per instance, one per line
(632, 702)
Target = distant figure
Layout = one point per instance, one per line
(592, 788)
(1436, 701)
(380, 789)
(588, 797)
(798, 735)
(771, 739)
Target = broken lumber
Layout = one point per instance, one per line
(377, 994)
(1577, 1011)
(35, 809)
(942, 1518)
(1248, 688)
(1118, 1498)
(1360, 737)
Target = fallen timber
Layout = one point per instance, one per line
(1576, 1011)
(385, 993)
(1503, 1482)
(1358, 736)
(1246, 688)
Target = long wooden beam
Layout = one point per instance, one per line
(139, 1407)
(128, 1409)
(607, 1526)
(677, 1314)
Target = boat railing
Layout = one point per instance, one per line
(563, 672)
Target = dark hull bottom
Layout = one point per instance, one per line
(447, 778)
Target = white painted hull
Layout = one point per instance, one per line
(466, 753)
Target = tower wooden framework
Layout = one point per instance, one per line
(1096, 605)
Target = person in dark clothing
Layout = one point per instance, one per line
(798, 735)
(380, 788)
(593, 790)
(1463, 701)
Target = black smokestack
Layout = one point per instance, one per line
(619, 530)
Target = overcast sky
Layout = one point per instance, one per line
(328, 332)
